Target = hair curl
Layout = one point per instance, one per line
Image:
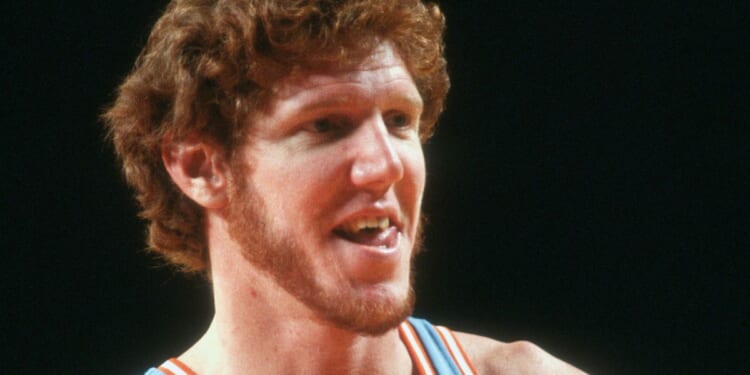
(209, 64)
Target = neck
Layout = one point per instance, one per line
(259, 328)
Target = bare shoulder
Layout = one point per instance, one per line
(521, 357)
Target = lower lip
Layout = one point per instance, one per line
(378, 252)
(369, 264)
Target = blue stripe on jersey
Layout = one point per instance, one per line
(153, 371)
(439, 354)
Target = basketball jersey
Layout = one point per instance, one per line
(434, 350)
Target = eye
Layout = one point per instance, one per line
(326, 125)
(327, 128)
(398, 120)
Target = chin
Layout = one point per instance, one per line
(370, 313)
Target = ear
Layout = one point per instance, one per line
(198, 168)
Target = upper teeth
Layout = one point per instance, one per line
(370, 222)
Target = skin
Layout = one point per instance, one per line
(334, 146)
(351, 140)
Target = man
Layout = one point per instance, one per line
(276, 147)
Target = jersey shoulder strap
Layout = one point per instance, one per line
(434, 349)
(171, 366)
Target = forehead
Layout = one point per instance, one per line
(383, 69)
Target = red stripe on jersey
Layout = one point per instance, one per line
(182, 366)
(456, 351)
(415, 348)
(165, 371)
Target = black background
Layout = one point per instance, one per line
(586, 189)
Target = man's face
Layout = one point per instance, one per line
(328, 191)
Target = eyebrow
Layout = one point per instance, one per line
(333, 101)
(338, 101)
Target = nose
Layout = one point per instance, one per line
(377, 163)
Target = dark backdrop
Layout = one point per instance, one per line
(586, 189)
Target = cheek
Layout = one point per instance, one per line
(305, 189)
(411, 187)
(415, 170)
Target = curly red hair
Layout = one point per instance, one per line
(209, 64)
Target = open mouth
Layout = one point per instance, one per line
(375, 231)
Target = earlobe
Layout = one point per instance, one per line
(198, 169)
